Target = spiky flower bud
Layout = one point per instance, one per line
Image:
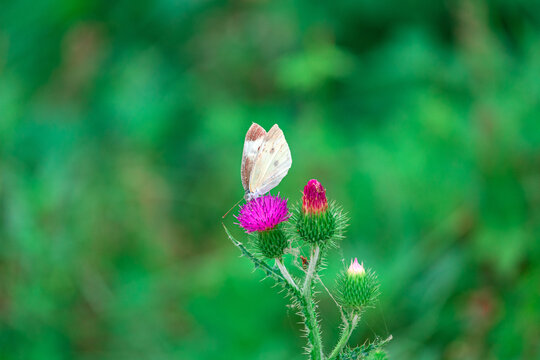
(263, 216)
(357, 287)
(315, 223)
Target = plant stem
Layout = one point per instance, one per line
(286, 274)
(311, 270)
(345, 335)
(308, 309)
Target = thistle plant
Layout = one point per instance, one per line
(315, 226)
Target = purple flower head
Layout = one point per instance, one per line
(263, 213)
(314, 198)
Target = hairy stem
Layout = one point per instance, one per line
(311, 270)
(313, 332)
(286, 274)
(308, 309)
(349, 327)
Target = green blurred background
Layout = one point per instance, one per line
(121, 132)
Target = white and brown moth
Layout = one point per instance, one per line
(265, 161)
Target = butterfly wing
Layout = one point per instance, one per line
(272, 163)
(254, 139)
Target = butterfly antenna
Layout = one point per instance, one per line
(238, 202)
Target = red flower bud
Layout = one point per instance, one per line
(314, 198)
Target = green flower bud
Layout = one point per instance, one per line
(315, 223)
(357, 287)
(271, 243)
(316, 228)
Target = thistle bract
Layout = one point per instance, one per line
(316, 228)
(263, 216)
(271, 243)
(357, 287)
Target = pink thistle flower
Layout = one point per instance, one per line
(356, 268)
(263, 213)
(314, 198)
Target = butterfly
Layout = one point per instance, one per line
(265, 161)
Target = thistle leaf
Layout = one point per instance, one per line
(367, 351)
(259, 264)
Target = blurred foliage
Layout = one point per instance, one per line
(121, 130)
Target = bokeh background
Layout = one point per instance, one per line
(121, 131)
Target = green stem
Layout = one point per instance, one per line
(308, 309)
(311, 270)
(286, 274)
(350, 325)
